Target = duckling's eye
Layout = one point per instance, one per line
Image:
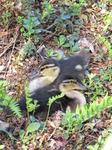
(46, 67)
(64, 85)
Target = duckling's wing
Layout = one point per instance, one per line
(86, 58)
(72, 66)
(75, 65)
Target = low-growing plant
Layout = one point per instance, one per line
(50, 53)
(6, 15)
(28, 48)
(106, 75)
(86, 113)
(31, 105)
(47, 10)
(34, 24)
(61, 40)
(107, 20)
(29, 135)
(68, 121)
(73, 47)
(96, 84)
(7, 101)
(29, 26)
(28, 138)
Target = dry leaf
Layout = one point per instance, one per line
(85, 43)
(84, 17)
(1, 68)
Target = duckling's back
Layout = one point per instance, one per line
(75, 65)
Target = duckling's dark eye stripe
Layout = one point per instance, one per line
(47, 66)
(69, 81)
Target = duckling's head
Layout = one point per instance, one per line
(67, 84)
(46, 74)
(71, 88)
(50, 67)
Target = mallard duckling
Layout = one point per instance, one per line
(51, 69)
(65, 84)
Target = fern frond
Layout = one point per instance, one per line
(93, 109)
(13, 105)
(53, 98)
(8, 100)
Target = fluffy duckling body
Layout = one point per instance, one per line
(64, 84)
(51, 69)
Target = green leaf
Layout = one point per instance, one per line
(21, 134)
(59, 55)
(37, 31)
(36, 23)
(96, 146)
(56, 39)
(62, 39)
(44, 14)
(99, 139)
(67, 45)
(50, 53)
(25, 34)
(20, 19)
(33, 127)
(90, 147)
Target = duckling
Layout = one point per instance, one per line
(51, 69)
(65, 84)
(77, 98)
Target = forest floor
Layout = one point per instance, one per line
(87, 28)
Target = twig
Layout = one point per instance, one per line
(12, 49)
(3, 43)
(52, 134)
(7, 48)
(49, 36)
(56, 21)
(4, 72)
(46, 31)
(39, 51)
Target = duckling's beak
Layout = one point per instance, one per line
(34, 74)
(79, 86)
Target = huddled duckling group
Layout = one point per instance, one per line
(59, 76)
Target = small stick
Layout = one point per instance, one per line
(12, 49)
(56, 21)
(7, 48)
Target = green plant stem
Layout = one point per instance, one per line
(46, 118)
